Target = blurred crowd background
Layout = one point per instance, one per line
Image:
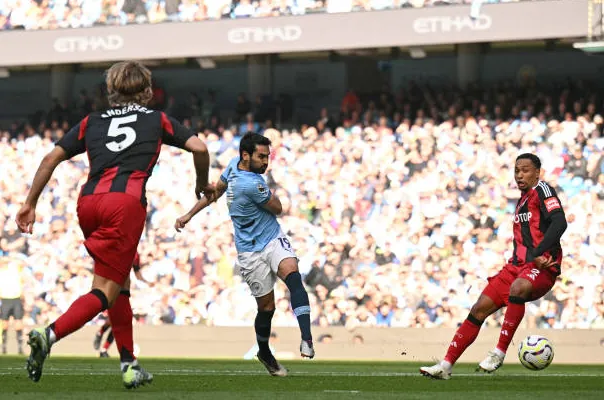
(52, 14)
(399, 206)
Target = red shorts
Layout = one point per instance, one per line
(112, 224)
(498, 288)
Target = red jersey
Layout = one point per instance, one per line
(123, 144)
(531, 220)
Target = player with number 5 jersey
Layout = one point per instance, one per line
(264, 251)
(122, 144)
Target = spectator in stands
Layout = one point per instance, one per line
(390, 221)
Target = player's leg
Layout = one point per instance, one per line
(262, 325)
(288, 272)
(4, 336)
(4, 316)
(18, 324)
(263, 321)
(98, 337)
(530, 285)
(257, 273)
(490, 300)
(108, 342)
(112, 225)
(284, 263)
(122, 330)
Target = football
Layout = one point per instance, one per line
(536, 352)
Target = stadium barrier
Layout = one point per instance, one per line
(525, 20)
(571, 346)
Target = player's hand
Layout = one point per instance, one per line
(207, 190)
(26, 218)
(181, 222)
(543, 262)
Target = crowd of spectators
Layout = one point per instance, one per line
(399, 209)
(53, 14)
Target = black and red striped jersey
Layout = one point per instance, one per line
(531, 220)
(123, 144)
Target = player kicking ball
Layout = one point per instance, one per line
(539, 223)
(123, 144)
(264, 251)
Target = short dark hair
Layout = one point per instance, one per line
(529, 156)
(250, 141)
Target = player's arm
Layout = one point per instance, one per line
(201, 160)
(202, 203)
(552, 211)
(259, 192)
(176, 135)
(273, 205)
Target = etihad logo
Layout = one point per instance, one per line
(287, 33)
(522, 217)
(82, 44)
(451, 24)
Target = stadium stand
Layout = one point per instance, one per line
(398, 207)
(49, 14)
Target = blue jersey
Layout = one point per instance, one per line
(246, 193)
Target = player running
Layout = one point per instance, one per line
(264, 251)
(539, 223)
(123, 144)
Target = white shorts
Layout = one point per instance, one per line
(259, 268)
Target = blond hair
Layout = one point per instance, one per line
(128, 82)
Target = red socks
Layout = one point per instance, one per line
(464, 337)
(120, 316)
(513, 317)
(79, 313)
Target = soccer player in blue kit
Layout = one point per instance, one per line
(264, 251)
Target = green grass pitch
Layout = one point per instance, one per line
(179, 379)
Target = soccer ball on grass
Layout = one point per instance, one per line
(536, 352)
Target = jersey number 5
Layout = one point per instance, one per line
(115, 130)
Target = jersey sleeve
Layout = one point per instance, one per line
(258, 191)
(174, 133)
(224, 177)
(549, 203)
(74, 142)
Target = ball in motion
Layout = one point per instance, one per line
(536, 352)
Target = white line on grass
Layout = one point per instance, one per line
(341, 391)
(215, 372)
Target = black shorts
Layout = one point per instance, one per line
(11, 307)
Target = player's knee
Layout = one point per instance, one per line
(267, 307)
(480, 312)
(287, 267)
(266, 303)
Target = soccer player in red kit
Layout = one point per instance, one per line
(123, 144)
(539, 223)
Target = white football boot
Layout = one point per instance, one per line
(441, 370)
(492, 362)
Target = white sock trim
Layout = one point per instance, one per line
(499, 352)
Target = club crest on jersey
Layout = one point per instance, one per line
(261, 188)
(551, 204)
(522, 217)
